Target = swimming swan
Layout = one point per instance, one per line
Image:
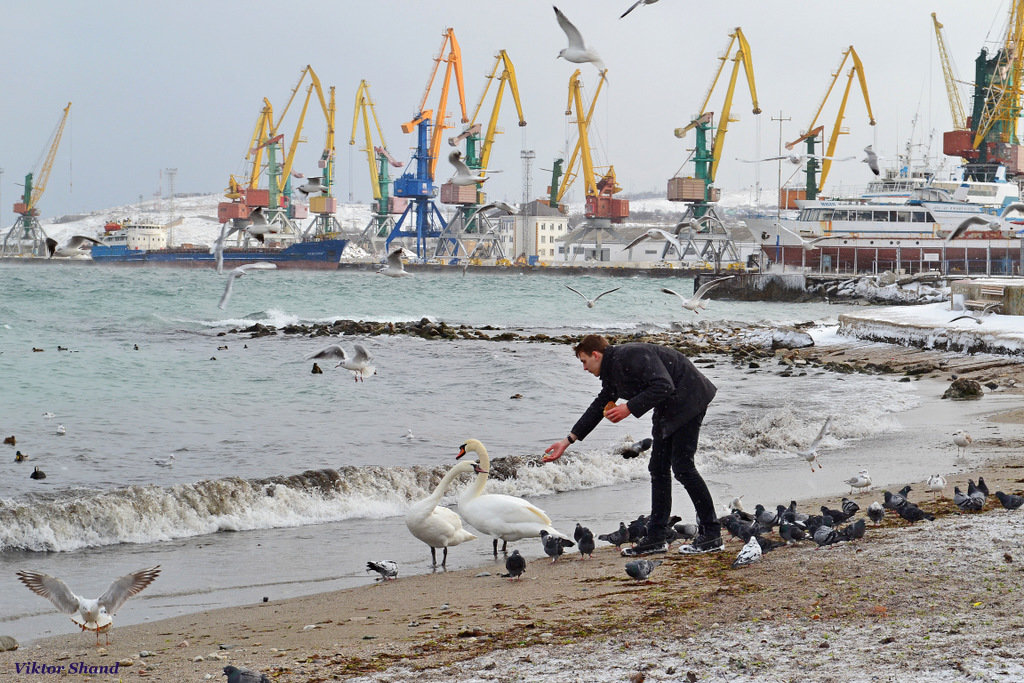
(505, 517)
(437, 526)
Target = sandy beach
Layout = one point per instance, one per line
(932, 601)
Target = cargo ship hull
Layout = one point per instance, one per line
(316, 254)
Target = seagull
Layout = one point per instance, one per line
(749, 553)
(655, 233)
(634, 449)
(61, 431)
(641, 569)
(811, 453)
(78, 245)
(987, 222)
(236, 675)
(310, 186)
(962, 440)
(860, 480)
(395, 267)
(577, 51)
(871, 159)
(167, 462)
(696, 302)
(515, 565)
(463, 174)
(239, 272)
(876, 513)
(796, 159)
(617, 537)
(637, 4)
(554, 546)
(359, 363)
(91, 614)
(388, 569)
(1010, 501)
(936, 483)
(591, 302)
(37, 474)
(977, 317)
(805, 243)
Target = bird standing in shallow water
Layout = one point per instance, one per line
(962, 440)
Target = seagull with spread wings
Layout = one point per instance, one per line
(696, 302)
(239, 272)
(591, 302)
(577, 52)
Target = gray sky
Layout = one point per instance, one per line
(179, 85)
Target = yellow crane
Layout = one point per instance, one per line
(997, 121)
(27, 236)
(956, 105)
(508, 76)
(378, 158)
(857, 68)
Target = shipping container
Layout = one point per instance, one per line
(685, 189)
(789, 195)
(323, 204)
(458, 194)
(229, 210)
(257, 197)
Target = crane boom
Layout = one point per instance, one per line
(508, 75)
(1002, 97)
(956, 105)
(582, 149)
(44, 171)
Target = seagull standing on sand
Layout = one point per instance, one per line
(962, 440)
(859, 481)
(388, 569)
(591, 302)
(811, 453)
(936, 483)
(637, 4)
(696, 302)
(463, 174)
(395, 267)
(577, 51)
(871, 159)
(239, 272)
(91, 614)
(359, 363)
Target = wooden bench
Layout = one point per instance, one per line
(989, 295)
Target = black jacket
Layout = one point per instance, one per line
(649, 376)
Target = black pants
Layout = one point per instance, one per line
(674, 455)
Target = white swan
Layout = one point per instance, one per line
(495, 514)
(437, 526)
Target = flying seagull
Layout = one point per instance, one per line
(239, 272)
(871, 159)
(811, 452)
(577, 51)
(591, 302)
(395, 267)
(696, 302)
(310, 186)
(988, 222)
(388, 569)
(91, 614)
(463, 174)
(77, 245)
(654, 233)
(236, 675)
(637, 4)
(359, 363)
(796, 159)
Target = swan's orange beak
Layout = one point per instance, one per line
(462, 451)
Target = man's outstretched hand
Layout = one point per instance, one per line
(555, 450)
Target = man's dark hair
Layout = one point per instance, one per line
(591, 343)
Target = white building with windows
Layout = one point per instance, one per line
(535, 234)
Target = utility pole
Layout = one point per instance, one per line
(527, 156)
(171, 172)
(778, 210)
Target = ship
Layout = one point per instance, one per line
(141, 243)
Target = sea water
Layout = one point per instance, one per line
(151, 370)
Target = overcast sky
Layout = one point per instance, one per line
(180, 84)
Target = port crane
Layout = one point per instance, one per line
(417, 183)
(469, 200)
(989, 140)
(811, 137)
(26, 236)
(949, 75)
(380, 159)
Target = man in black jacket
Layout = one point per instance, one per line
(652, 376)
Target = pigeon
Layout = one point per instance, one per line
(791, 533)
(1010, 501)
(696, 302)
(876, 513)
(37, 474)
(77, 245)
(894, 501)
(463, 175)
(554, 546)
(912, 513)
(239, 272)
(686, 531)
(739, 529)
(977, 491)
(236, 675)
(637, 4)
(936, 483)
(871, 159)
(638, 528)
(585, 543)
(749, 553)
(838, 516)
(982, 486)
(826, 535)
(962, 440)
(359, 363)
(765, 517)
(810, 454)
(91, 614)
(850, 507)
(859, 481)
(388, 569)
(793, 515)
(634, 449)
(577, 52)
(853, 531)
(617, 537)
(641, 569)
(395, 267)
(515, 565)
(591, 302)
(966, 502)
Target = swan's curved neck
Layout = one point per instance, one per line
(445, 482)
(477, 487)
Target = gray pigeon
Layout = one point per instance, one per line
(876, 513)
(1010, 501)
(515, 565)
(236, 675)
(388, 569)
(617, 537)
(966, 502)
(632, 450)
(641, 569)
(554, 546)
(749, 554)
(585, 541)
(791, 532)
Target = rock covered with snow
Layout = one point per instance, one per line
(884, 288)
